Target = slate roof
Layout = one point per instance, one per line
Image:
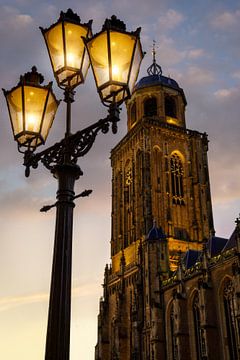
(155, 80)
(232, 242)
(215, 245)
(190, 258)
(152, 80)
(156, 233)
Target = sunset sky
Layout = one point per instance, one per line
(198, 44)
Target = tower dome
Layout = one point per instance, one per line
(157, 96)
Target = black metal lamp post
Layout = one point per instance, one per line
(115, 56)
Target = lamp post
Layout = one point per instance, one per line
(115, 56)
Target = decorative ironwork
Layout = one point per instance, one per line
(72, 147)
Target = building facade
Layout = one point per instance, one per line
(172, 289)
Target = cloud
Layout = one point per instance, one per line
(223, 94)
(236, 74)
(226, 20)
(196, 53)
(170, 20)
(196, 75)
(10, 302)
(12, 18)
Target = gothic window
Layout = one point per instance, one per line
(128, 194)
(133, 114)
(173, 347)
(118, 210)
(150, 106)
(228, 302)
(197, 329)
(157, 165)
(170, 107)
(177, 179)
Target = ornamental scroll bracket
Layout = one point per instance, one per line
(73, 146)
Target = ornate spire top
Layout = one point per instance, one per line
(154, 69)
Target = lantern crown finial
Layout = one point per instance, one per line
(31, 77)
(114, 24)
(70, 16)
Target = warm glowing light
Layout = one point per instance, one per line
(115, 70)
(31, 122)
(171, 120)
(71, 60)
(116, 73)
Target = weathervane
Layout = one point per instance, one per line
(154, 69)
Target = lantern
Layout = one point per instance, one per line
(32, 108)
(66, 49)
(115, 56)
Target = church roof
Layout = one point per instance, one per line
(155, 79)
(215, 245)
(190, 258)
(156, 233)
(232, 242)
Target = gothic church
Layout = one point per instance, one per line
(172, 290)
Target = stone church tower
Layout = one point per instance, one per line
(161, 206)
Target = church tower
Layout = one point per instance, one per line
(161, 206)
(160, 172)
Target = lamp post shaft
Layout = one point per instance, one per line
(59, 316)
(69, 99)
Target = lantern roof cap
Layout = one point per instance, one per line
(32, 77)
(114, 24)
(70, 16)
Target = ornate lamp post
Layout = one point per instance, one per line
(115, 56)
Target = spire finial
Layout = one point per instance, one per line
(154, 69)
(154, 51)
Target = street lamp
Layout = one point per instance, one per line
(115, 56)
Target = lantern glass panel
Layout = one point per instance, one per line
(121, 55)
(54, 39)
(74, 44)
(50, 112)
(14, 99)
(135, 65)
(35, 99)
(98, 50)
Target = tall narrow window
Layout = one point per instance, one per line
(170, 107)
(177, 179)
(150, 106)
(173, 347)
(228, 295)
(133, 114)
(197, 328)
(128, 186)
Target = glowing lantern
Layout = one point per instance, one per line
(32, 108)
(66, 49)
(115, 56)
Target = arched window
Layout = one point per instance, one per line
(170, 107)
(197, 329)
(173, 346)
(228, 302)
(133, 114)
(177, 179)
(150, 106)
(128, 198)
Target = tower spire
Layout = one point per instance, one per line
(154, 69)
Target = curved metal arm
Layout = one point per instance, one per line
(74, 146)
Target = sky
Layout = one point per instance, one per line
(198, 46)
